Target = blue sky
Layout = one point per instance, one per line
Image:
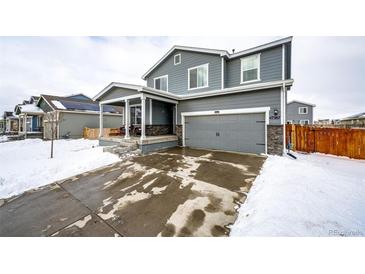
(328, 71)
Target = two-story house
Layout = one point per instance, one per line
(299, 112)
(211, 99)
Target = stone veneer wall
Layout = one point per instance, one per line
(179, 134)
(155, 130)
(275, 139)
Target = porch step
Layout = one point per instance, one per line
(121, 151)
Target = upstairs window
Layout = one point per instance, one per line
(303, 110)
(177, 59)
(161, 83)
(198, 77)
(250, 68)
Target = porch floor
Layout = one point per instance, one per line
(137, 139)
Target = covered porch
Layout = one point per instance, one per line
(147, 119)
(30, 124)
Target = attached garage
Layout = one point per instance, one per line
(237, 130)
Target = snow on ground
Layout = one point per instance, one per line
(26, 164)
(315, 195)
(3, 138)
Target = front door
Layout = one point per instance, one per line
(136, 115)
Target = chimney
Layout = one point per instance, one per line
(233, 50)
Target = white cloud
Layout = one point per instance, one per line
(328, 71)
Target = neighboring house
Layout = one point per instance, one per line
(298, 112)
(30, 118)
(2, 125)
(211, 99)
(357, 120)
(11, 123)
(74, 113)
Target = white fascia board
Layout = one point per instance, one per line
(120, 99)
(252, 87)
(159, 98)
(194, 49)
(90, 112)
(301, 102)
(157, 92)
(168, 95)
(262, 47)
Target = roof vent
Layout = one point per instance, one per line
(233, 50)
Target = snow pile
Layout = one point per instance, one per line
(316, 195)
(31, 108)
(58, 104)
(26, 164)
(3, 138)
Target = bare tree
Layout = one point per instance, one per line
(52, 119)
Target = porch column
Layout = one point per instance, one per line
(143, 113)
(126, 119)
(101, 125)
(25, 125)
(175, 121)
(19, 123)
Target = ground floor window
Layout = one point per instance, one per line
(304, 122)
(136, 115)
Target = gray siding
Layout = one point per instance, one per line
(178, 75)
(270, 68)
(75, 123)
(292, 113)
(265, 98)
(44, 106)
(162, 113)
(116, 93)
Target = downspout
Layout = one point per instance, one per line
(222, 72)
(283, 109)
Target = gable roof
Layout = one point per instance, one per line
(72, 104)
(78, 95)
(360, 115)
(223, 53)
(184, 48)
(301, 102)
(28, 108)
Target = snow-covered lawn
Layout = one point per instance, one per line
(315, 195)
(26, 164)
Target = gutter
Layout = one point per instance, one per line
(233, 90)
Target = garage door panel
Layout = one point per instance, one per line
(233, 132)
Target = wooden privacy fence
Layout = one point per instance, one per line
(93, 133)
(336, 141)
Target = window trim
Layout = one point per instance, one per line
(160, 77)
(300, 122)
(258, 69)
(299, 108)
(207, 85)
(175, 59)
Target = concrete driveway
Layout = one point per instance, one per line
(177, 192)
